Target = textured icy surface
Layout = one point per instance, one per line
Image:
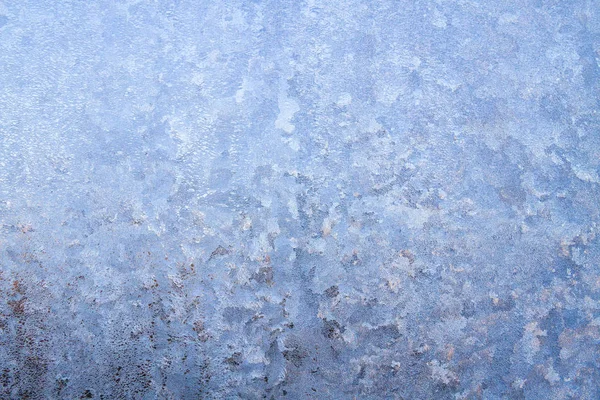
(299, 199)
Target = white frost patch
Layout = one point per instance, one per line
(239, 95)
(531, 343)
(415, 63)
(198, 79)
(293, 208)
(246, 223)
(293, 142)
(287, 108)
(344, 100)
(255, 355)
(586, 176)
(374, 126)
(507, 18)
(386, 93)
(551, 375)
(519, 383)
(316, 246)
(414, 218)
(327, 226)
(439, 20)
(449, 84)
(442, 374)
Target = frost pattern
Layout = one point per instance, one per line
(299, 199)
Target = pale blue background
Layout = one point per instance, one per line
(299, 199)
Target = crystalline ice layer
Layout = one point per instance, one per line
(299, 199)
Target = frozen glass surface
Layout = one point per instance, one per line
(342, 199)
